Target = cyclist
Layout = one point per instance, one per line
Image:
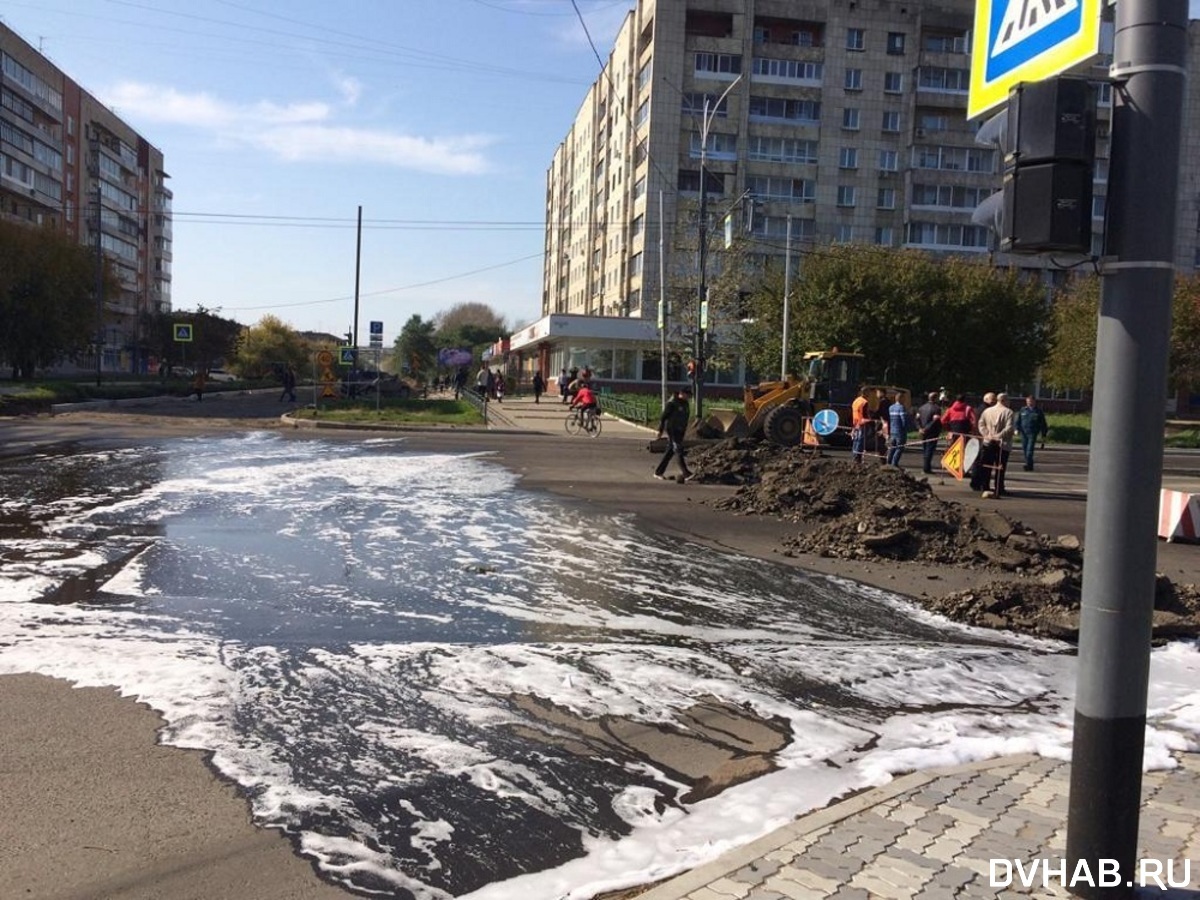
(585, 401)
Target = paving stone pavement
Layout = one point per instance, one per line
(933, 835)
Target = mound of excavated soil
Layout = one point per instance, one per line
(1029, 582)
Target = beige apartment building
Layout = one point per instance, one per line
(849, 116)
(69, 162)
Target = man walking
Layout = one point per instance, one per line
(539, 385)
(1031, 425)
(898, 426)
(929, 426)
(674, 421)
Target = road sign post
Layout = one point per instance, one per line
(1124, 477)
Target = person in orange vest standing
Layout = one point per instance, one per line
(860, 424)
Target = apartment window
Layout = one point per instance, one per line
(884, 236)
(695, 104)
(962, 237)
(793, 190)
(891, 120)
(850, 119)
(946, 43)
(639, 188)
(960, 159)
(689, 181)
(1099, 204)
(635, 264)
(945, 196)
(848, 158)
(639, 225)
(787, 150)
(933, 122)
(854, 79)
(71, 126)
(889, 160)
(893, 82)
(720, 146)
(776, 227)
(895, 43)
(855, 39)
(845, 195)
(805, 112)
(643, 113)
(718, 64)
(787, 69)
(644, 74)
(937, 78)
(886, 198)
(843, 234)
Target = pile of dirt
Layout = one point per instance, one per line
(1029, 582)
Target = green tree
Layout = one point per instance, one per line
(416, 349)
(919, 320)
(468, 326)
(213, 338)
(47, 298)
(268, 344)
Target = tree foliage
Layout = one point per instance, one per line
(416, 349)
(467, 326)
(47, 298)
(1072, 363)
(921, 321)
(213, 338)
(268, 345)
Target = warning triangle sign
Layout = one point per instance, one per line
(952, 459)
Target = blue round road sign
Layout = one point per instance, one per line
(825, 422)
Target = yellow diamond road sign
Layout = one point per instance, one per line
(1027, 40)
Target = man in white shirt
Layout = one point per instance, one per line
(996, 427)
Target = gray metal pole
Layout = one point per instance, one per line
(99, 274)
(702, 291)
(1124, 476)
(787, 293)
(662, 298)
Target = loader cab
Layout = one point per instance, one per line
(835, 376)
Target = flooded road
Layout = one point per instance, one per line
(441, 684)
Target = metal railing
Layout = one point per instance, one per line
(476, 399)
(634, 412)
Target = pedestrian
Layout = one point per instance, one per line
(959, 418)
(1031, 425)
(563, 380)
(929, 426)
(489, 385)
(996, 427)
(674, 422)
(989, 450)
(539, 385)
(899, 425)
(460, 381)
(289, 384)
(860, 425)
(482, 377)
(498, 385)
(199, 380)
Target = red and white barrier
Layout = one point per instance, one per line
(1178, 515)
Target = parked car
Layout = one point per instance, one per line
(221, 375)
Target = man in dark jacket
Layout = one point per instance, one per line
(1031, 425)
(929, 425)
(674, 422)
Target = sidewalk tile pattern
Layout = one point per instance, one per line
(931, 836)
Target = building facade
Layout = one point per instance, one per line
(848, 116)
(69, 162)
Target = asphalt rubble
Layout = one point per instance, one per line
(1027, 582)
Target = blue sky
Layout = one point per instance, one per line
(278, 119)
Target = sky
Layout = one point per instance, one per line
(350, 650)
(278, 120)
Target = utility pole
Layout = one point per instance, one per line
(702, 292)
(787, 293)
(1149, 74)
(99, 276)
(663, 313)
(357, 269)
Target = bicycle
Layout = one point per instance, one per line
(579, 421)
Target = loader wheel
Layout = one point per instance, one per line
(784, 425)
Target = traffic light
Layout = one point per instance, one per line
(1047, 137)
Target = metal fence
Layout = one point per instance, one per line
(477, 400)
(634, 412)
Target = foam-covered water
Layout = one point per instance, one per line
(363, 636)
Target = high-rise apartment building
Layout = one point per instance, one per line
(69, 162)
(849, 116)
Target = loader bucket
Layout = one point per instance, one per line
(727, 423)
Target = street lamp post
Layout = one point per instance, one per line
(702, 292)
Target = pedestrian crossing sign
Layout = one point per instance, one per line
(1027, 40)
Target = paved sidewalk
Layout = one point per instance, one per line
(933, 834)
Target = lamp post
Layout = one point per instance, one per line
(702, 292)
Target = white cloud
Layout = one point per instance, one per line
(299, 132)
(349, 87)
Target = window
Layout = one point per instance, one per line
(644, 74)
(845, 195)
(945, 196)
(886, 198)
(935, 78)
(795, 190)
(854, 79)
(1098, 207)
(850, 119)
(787, 69)
(933, 122)
(643, 113)
(776, 227)
(848, 158)
(639, 225)
(855, 39)
(889, 161)
(884, 236)
(945, 43)
(778, 108)
(695, 104)
(639, 188)
(718, 64)
(635, 264)
(891, 120)
(689, 181)
(895, 43)
(720, 146)
(844, 234)
(893, 82)
(789, 150)
(960, 159)
(962, 237)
